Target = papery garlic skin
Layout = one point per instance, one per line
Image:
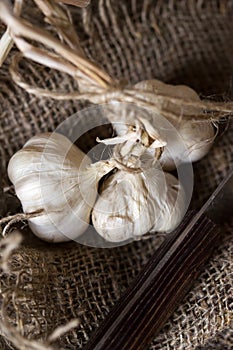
(197, 136)
(172, 205)
(133, 204)
(46, 175)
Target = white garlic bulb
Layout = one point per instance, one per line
(131, 204)
(53, 175)
(197, 136)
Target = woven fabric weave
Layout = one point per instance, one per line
(178, 42)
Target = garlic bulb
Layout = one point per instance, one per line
(196, 136)
(131, 204)
(53, 175)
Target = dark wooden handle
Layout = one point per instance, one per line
(160, 286)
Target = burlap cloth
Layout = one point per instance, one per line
(188, 42)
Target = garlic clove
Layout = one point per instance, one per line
(132, 204)
(53, 175)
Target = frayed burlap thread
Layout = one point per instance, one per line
(178, 42)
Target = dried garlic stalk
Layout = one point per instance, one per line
(94, 83)
(65, 59)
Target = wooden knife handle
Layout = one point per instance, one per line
(157, 290)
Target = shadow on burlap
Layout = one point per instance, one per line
(179, 42)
